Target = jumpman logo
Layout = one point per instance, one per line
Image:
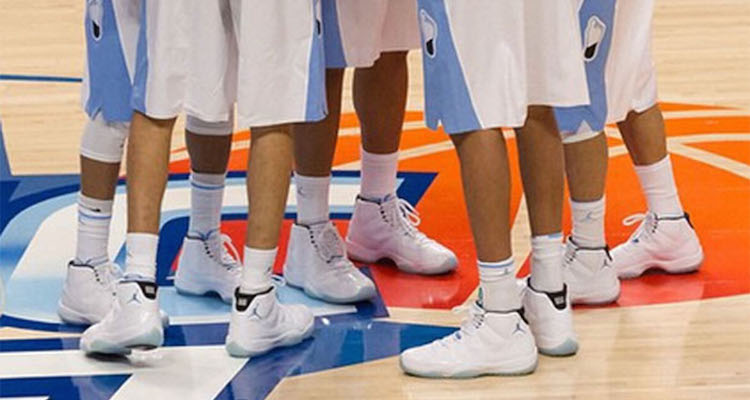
(134, 298)
(254, 313)
(518, 328)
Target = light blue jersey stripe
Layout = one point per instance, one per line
(334, 49)
(447, 98)
(110, 88)
(141, 65)
(597, 20)
(316, 107)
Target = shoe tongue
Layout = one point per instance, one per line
(328, 241)
(388, 197)
(214, 242)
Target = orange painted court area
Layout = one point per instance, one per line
(716, 198)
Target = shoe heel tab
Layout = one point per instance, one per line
(522, 313)
(149, 289)
(369, 200)
(243, 300)
(687, 218)
(558, 299)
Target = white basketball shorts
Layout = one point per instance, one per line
(358, 31)
(486, 61)
(619, 66)
(202, 56)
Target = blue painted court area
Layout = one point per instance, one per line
(344, 335)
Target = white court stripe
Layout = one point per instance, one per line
(182, 373)
(712, 159)
(704, 114)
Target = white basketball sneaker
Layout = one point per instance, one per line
(316, 262)
(388, 229)
(88, 292)
(260, 323)
(488, 343)
(134, 322)
(551, 321)
(668, 243)
(208, 265)
(589, 274)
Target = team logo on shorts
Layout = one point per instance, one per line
(318, 19)
(96, 15)
(594, 36)
(429, 33)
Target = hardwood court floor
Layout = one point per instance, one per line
(669, 337)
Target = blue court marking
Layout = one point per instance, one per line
(64, 387)
(39, 78)
(27, 201)
(338, 340)
(334, 344)
(338, 346)
(4, 166)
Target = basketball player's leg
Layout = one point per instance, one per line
(557, 77)
(486, 184)
(86, 299)
(315, 143)
(87, 291)
(586, 170)
(645, 137)
(540, 153)
(98, 183)
(666, 222)
(588, 272)
(136, 322)
(270, 164)
(642, 127)
(208, 261)
(495, 339)
(258, 322)
(587, 264)
(380, 100)
(323, 271)
(486, 181)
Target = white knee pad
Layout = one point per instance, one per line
(584, 133)
(201, 127)
(104, 141)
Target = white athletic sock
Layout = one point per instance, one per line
(94, 217)
(312, 198)
(657, 182)
(588, 223)
(206, 196)
(258, 267)
(497, 286)
(378, 174)
(546, 263)
(140, 263)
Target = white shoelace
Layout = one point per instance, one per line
(645, 230)
(109, 275)
(469, 326)
(408, 220)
